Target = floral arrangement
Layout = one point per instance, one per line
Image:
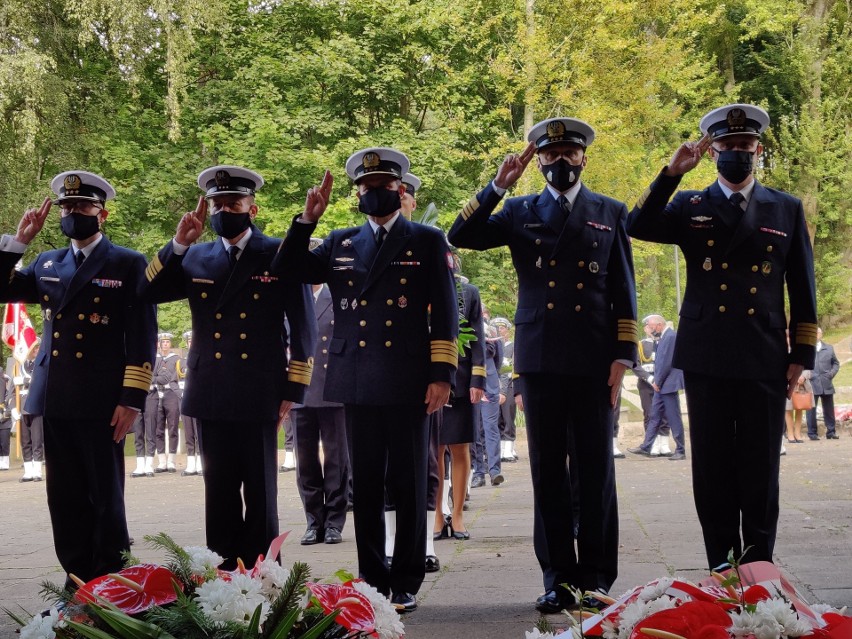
(753, 601)
(190, 598)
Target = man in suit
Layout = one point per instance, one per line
(190, 426)
(322, 484)
(243, 379)
(93, 369)
(508, 410)
(668, 380)
(644, 371)
(575, 331)
(168, 411)
(741, 242)
(392, 356)
(826, 366)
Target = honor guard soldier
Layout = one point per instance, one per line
(409, 199)
(145, 425)
(192, 436)
(741, 242)
(385, 364)
(243, 381)
(575, 271)
(92, 372)
(168, 412)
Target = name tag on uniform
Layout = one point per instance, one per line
(533, 226)
(107, 283)
(342, 268)
(50, 279)
(201, 280)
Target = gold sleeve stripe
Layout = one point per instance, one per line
(806, 333)
(445, 351)
(478, 371)
(470, 207)
(642, 198)
(515, 376)
(153, 268)
(627, 330)
(138, 376)
(299, 378)
(301, 367)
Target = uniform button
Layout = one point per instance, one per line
(769, 249)
(46, 298)
(581, 263)
(203, 295)
(388, 323)
(350, 283)
(390, 302)
(217, 335)
(752, 290)
(324, 338)
(579, 286)
(242, 315)
(324, 351)
(55, 353)
(578, 308)
(362, 343)
(403, 281)
(79, 317)
(363, 322)
(79, 336)
(754, 269)
(724, 287)
(60, 316)
(256, 296)
(79, 355)
(242, 335)
(218, 316)
(551, 284)
(538, 241)
(721, 309)
(724, 265)
(56, 334)
(244, 355)
(218, 356)
(710, 242)
(364, 302)
(553, 262)
(332, 322)
(325, 365)
(388, 343)
(594, 245)
(97, 300)
(751, 311)
(550, 305)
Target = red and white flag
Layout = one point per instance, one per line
(18, 331)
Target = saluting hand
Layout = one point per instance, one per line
(191, 225)
(688, 156)
(32, 221)
(513, 167)
(317, 199)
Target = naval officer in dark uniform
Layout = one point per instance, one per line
(575, 271)
(741, 242)
(392, 357)
(243, 380)
(92, 372)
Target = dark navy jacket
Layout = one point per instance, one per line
(667, 378)
(99, 340)
(733, 318)
(576, 300)
(471, 370)
(238, 360)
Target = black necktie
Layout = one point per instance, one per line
(233, 252)
(736, 201)
(565, 205)
(79, 257)
(381, 232)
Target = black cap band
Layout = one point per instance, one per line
(381, 167)
(723, 127)
(572, 137)
(230, 184)
(409, 188)
(83, 191)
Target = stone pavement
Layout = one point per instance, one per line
(487, 585)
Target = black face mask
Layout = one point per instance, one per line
(229, 225)
(379, 202)
(78, 226)
(561, 175)
(735, 166)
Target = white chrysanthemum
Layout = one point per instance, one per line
(820, 609)
(386, 618)
(234, 600)
(203, 560)
(535, 633)
(42, 627)
(273, 576)
(784, 615)
(742, 624)
(634, 613)
(656, 589)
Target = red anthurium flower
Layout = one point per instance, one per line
(756, 593)
(687, 620)
(356, 611)
(132, 590)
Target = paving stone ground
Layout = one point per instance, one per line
(487, 585)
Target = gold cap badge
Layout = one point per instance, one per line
(223, 179)
(72, 182)
(555, 130)
(371, 160)
(736, 117)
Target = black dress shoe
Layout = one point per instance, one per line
(478, 481)
(403, 602)
(554, 601)
(432, 563)
(462, 535)
(639, 451)
(591, 602)
(813, 438)
(677, 457)
(161, 470)
(187, 473)
(832, 436)
(497, 479)
(310, 537)
(38, 478)
(24, 480)
(333, 536)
